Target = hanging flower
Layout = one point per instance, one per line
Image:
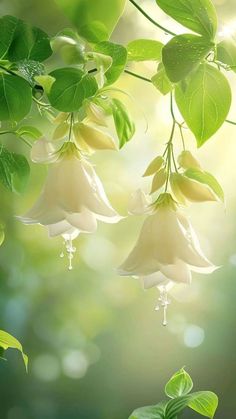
(167, 248)
(73, 198)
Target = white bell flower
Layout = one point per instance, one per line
(73, 198)
(167, 250)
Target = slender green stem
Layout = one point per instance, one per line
(42, 104)
(138, 76)
(230, 122)
(19, 136)
(71, 125)
(150, 19)
(8, 71)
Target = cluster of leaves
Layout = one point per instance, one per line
(178, 389)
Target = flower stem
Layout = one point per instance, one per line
(71, 125)
(150, 19)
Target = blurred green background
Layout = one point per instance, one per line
(96, 346)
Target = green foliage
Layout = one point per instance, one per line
(118, 54)
(161, 81)
(204, 100)
(183, 53)
(178, 389)
(14, 170)
(15, 97)
(226, 53)
(70, 88)
(21, 41)
(94, 20)
(144, 50)
(206, 179)
(125, 127)
(8, 341)
(198, 15)
(179, 385)
(30, 69)
(29, 132)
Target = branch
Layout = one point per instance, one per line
(150, 19)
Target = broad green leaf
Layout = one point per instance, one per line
(144, 50)
(70, 88)
(8, 341)
(125, 127)
(30, 69)
(203, 402)
(29, 131)
(180, 384)
(14, 170)
(15, 97)
(198, 15)
(149, 412)
(118, 54)
(183, 53)
(207, 179)
(20, 41)
(161, 81)
(204, 100)
(226, 53)
(94, 19)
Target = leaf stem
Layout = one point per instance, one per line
(150, 19)
(230, 122)
(138, 76)
(71, 125)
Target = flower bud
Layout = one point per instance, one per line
(159, 180)
(95, 113)
(154, 166)
(94, 138)
(194, 191)
(187, 161)
(174, 183)
(61, 131)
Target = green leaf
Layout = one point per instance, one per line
(183, 53)
(226, 53)
(15, 97)
(94, 19)
(70, 88)
(180, 384)
(149, 412)
(198, 15)
(21, 41)
(207, 179)
(30, 69)
(204, 101)
(203, 402)
(8, 341)
(29, 131)
(125, 127)
(161, 81)
(14, 170)
(144, 50)
(45, 81)
(118, 54)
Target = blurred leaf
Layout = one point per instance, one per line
(29, 131)
(8, 341)
(203, 402)
(204, 101)
(118, 54)
(207, 179)
(149, 412)
(125, 127)
(94, 19)
(144, 50)
(183, 53)
(180, 384)
(226, 53)
(198, 15)
(14, 170)
(161, 81)
(21, 41)
(70, 88)
(15, 97)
